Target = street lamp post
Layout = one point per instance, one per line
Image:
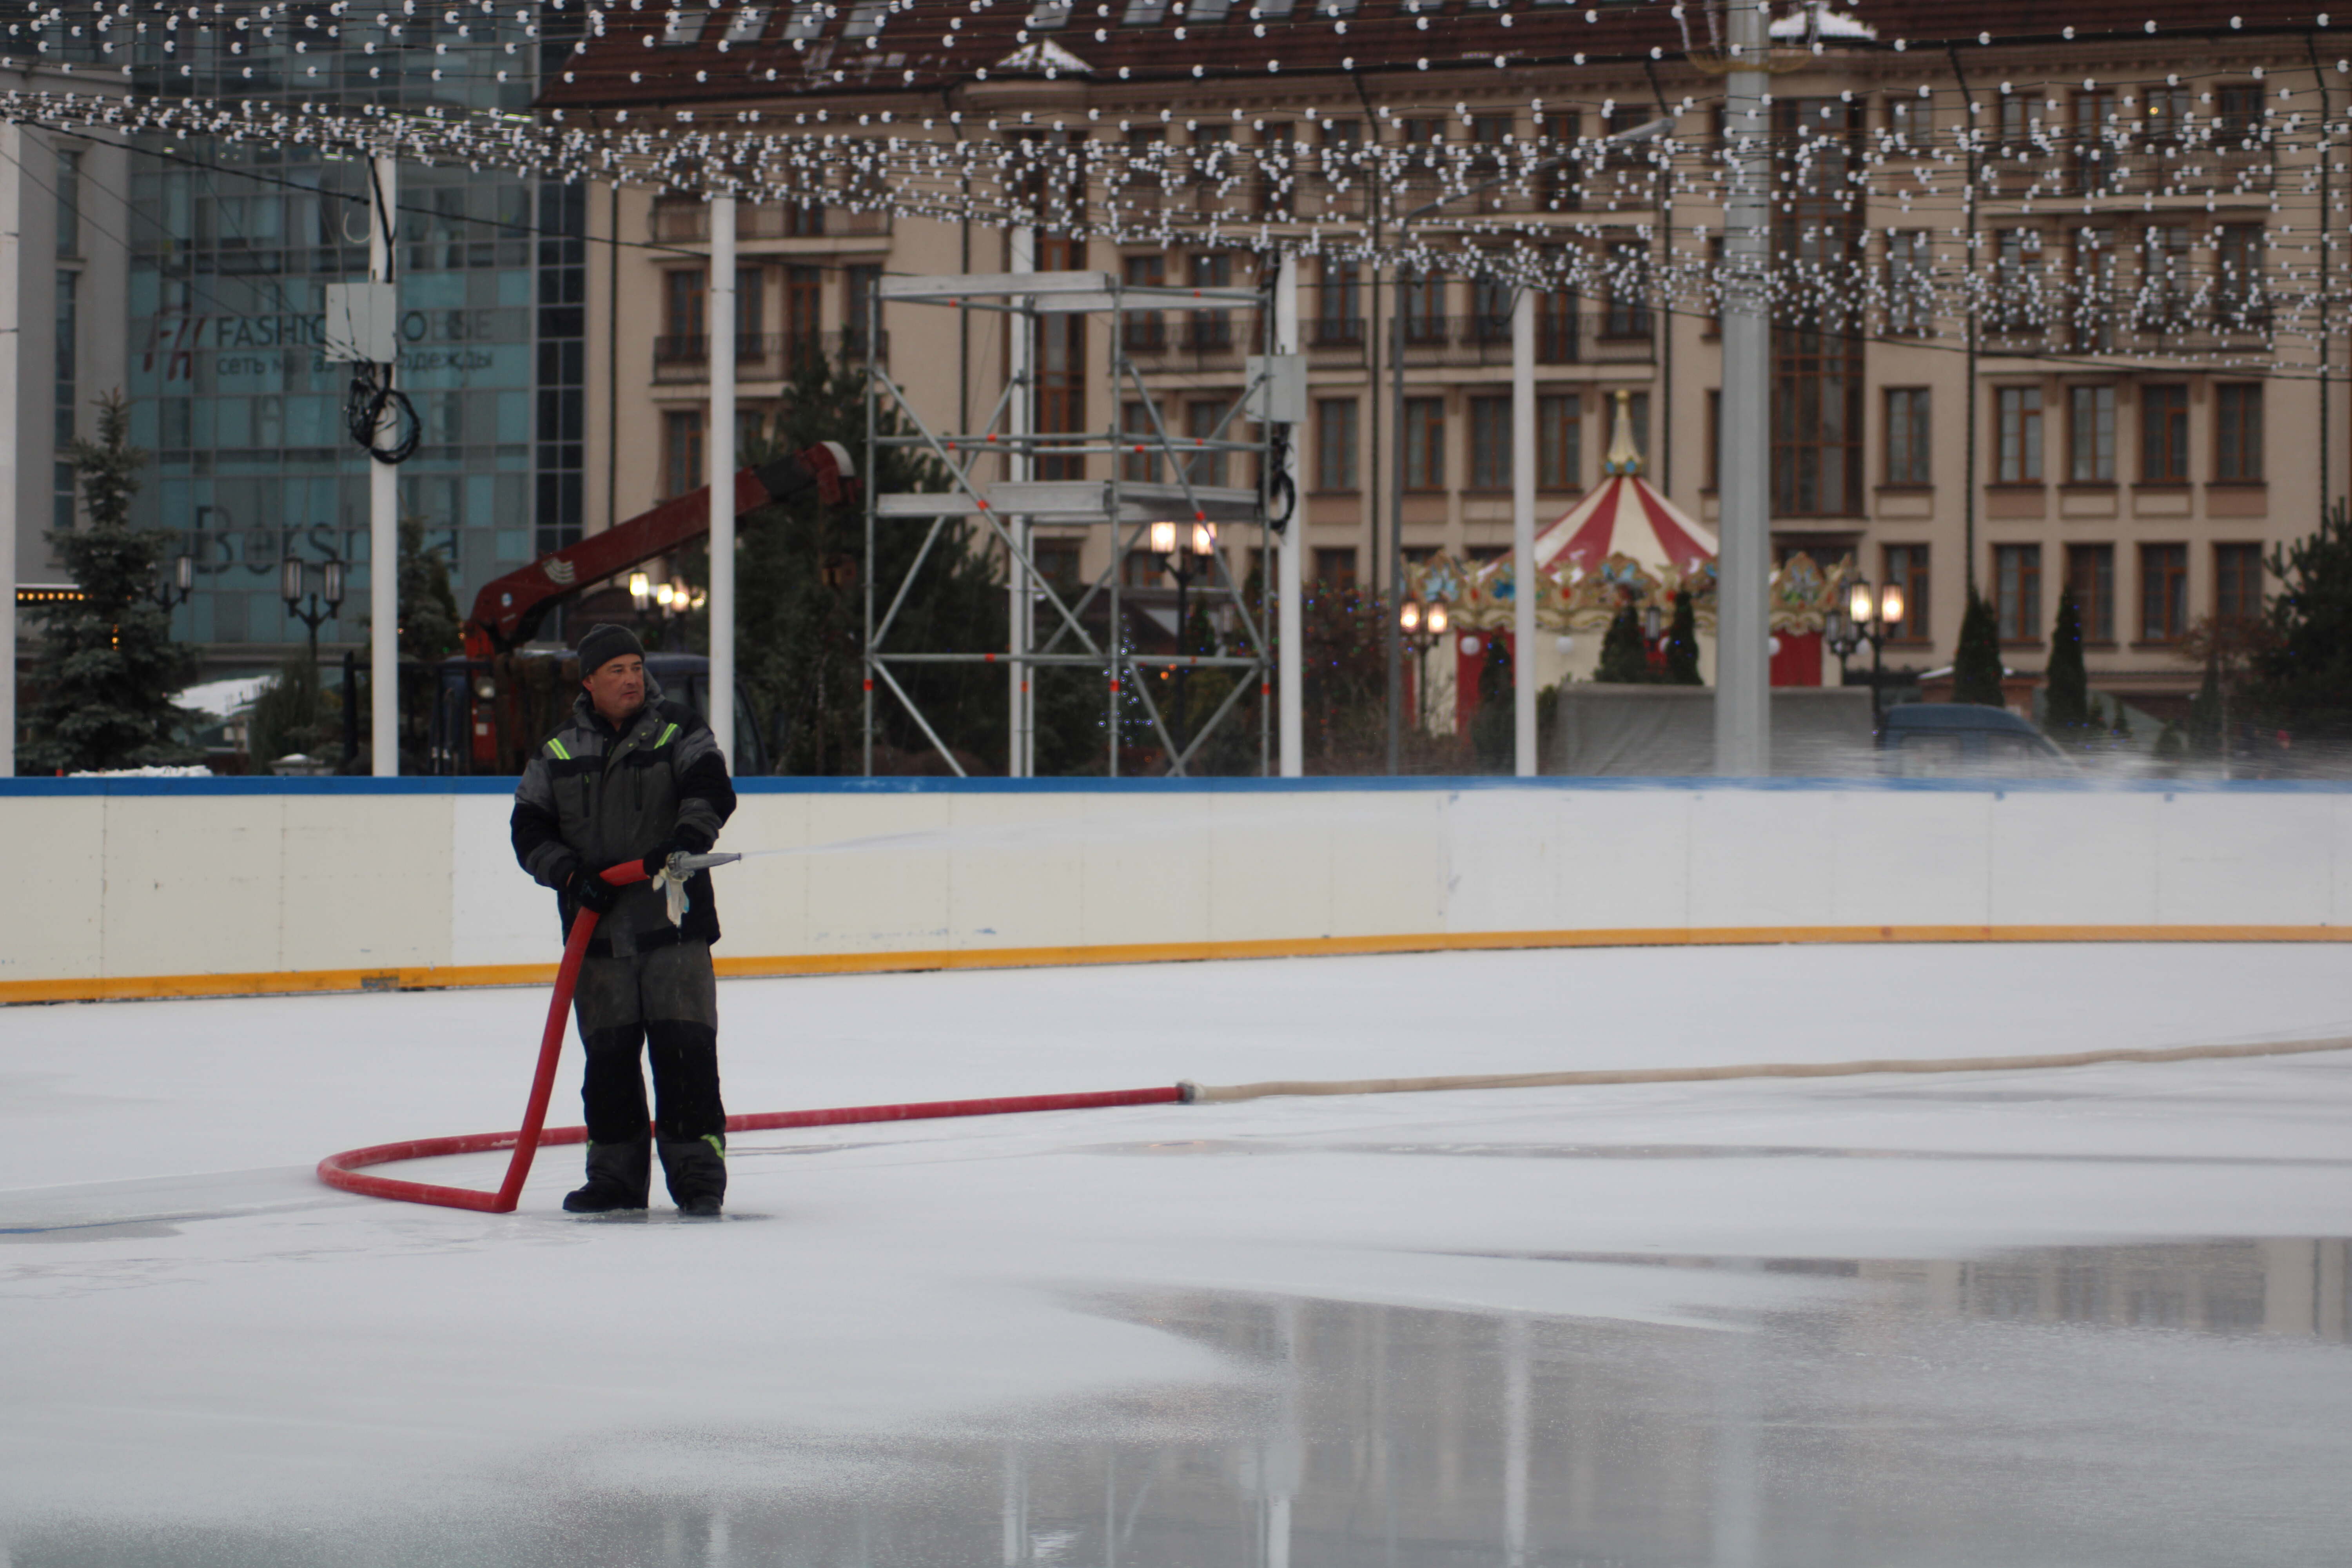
(325, 600)
(1183, 565)
(671, 601)
(1866, 617)
(174, 592)
(1423, 628)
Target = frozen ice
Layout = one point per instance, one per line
(2090, 1316)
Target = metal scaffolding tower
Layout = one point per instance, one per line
(1148, 495)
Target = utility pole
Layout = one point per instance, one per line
(1290, 634)
(384, 504)
(720, 450)
(1743, 718)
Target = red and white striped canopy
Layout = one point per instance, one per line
(1624, 516)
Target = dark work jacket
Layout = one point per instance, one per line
(597, 796)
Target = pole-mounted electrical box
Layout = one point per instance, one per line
(362, 323)
(1281, 397)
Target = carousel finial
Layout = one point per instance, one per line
(1623, 457)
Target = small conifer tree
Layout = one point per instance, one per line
(1682, 644)
(108, 666)
(1624, 655)
(2068, 714)
(1976, 665)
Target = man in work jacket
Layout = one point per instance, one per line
(632, 776)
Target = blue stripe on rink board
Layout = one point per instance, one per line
(502, 785)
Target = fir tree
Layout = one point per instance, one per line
(2303, 677)
(1976, 665)
(294, 713)
(1681, 644)
(1624, 654)
(2068, 714)
(2205, 710)
(1494, 729)
(430, 627)
(108, 666)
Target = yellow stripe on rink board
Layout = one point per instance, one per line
(281, 983)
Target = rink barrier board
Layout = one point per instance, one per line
(127, 988)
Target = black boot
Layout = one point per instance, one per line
(618, 1175)
(696, 1169)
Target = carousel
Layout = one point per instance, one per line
(1623, 546)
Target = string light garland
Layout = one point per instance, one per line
(2057, 189)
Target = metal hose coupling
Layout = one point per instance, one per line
(671, 879)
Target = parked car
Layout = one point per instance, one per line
(1948, 740)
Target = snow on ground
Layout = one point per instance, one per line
(211, 1357)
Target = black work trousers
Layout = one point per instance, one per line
(666, 1002)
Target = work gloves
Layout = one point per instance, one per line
(682, 840)
(589, 890)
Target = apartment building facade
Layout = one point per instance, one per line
(2084, 354)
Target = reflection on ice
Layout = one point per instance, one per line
(2005, 1410)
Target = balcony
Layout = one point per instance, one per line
(1202, 337)
(759, 356)
(1563, 337)
(689, 222)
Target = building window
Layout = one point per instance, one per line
(2020, 458)
(2238, 582)
(2093, 306)
(69, 333)
(2163, 434)
(1212, 329)
(2017, 591)
(1140, 569)
(68, 204)
(2091, 434)
(1057, 562)
(1336, 566)
(2017, 280)
(1278, 161)
(1910, 282)
(682, 460)
(1340, 305)
(2166, 288)
(1142, 466)
(1555, 328)
(2238, 433)
(1628, 311)
(1421, 306)
(1491, 134)
(1204, 422)
(1144, 331)
(2163, 592)
(1907, 436)
(1490, 443)
(1817, 425)
(804, 317)
(1907, 568)
(2238, 118)
(1335, 443)
(1061, 360)
(1559, 441)
(2241, 303)
(682, 299)
(2091, 578)
(1424, 444)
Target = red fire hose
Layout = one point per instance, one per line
(343, 1170)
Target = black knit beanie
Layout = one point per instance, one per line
(601, 644)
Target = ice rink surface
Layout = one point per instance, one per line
(2049, 1319)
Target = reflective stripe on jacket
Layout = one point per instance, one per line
(596, 795)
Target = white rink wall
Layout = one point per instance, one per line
(341, 882)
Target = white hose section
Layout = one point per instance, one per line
(1201, 1093)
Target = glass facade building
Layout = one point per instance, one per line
(232, 247)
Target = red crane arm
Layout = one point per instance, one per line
(509, 608)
